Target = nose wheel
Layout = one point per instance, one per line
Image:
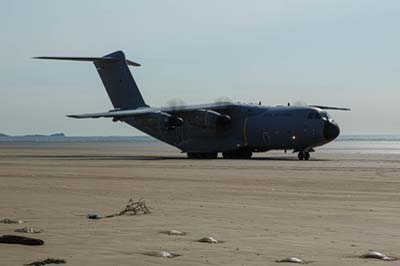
(303, 155)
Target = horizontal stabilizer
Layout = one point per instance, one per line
(118, 113)
(330, 108)
(116, 77)
(106, 59)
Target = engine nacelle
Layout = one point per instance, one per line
(171, 121)
(161, 120)
(209, 119)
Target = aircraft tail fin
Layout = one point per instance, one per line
(116, 77)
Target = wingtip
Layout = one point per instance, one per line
(131, 63)
(330, 108)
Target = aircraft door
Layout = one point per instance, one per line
(267, 138)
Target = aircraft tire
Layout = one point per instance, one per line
(306, 156)
(300, 156)
(227, 155)
(237, 155)
(246, 155)
(202, 155)
(191, 155)
(210, 155)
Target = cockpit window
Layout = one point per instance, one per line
(318, 115)
(325, 115)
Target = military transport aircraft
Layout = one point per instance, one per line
(203, 131)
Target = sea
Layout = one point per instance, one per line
(385, 144)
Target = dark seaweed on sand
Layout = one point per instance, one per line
(22, 240)
(46, 261)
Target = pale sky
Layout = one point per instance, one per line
(341, 53)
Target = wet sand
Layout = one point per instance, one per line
(328, 210)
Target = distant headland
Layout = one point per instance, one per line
(55, 135)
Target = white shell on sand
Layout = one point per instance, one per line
(174, 233)
(292, 260)
(162, 254)
(210, 240)
(377, 255)
(28, 230)
(10, 221)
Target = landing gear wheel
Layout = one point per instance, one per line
(227, 155)
(237, 155)
(306, 156)
(202, 155)
(210, 155)
(246, 155)
(300, 156)
(192, 155)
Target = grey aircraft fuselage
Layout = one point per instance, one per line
(253, 128)
(202, 131)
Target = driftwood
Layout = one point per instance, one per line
(13, 239)
(46, 261)
(132, 208)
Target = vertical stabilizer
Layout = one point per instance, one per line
(119, 82)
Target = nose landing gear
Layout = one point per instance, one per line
(303, 155)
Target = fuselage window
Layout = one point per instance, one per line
(317, 116)
(310, 115)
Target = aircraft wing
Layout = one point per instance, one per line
(190, 108)
(330, 108)
(118, 113)
(149, 110)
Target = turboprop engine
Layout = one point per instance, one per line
(159, 119)
(171, 121)
(209, 119)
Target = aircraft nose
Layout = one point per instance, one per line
(331, 130)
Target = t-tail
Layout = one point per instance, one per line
(116, 77)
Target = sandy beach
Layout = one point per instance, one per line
(327, 211)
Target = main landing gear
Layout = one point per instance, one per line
(202, 155)
(240, 154)
(303, 155)
(237, 155)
